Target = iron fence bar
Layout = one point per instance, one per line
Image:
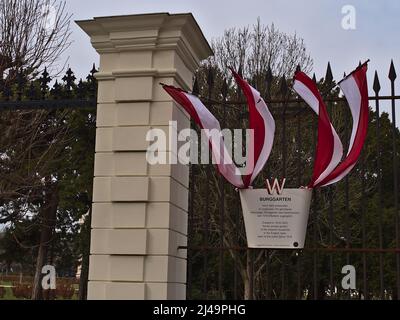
(363, 224)
(330, 222)
(250, 256)
(377, 87)
(222, 221)
(392, 77)
(207, 200)
(284, 174)
(331, 226)
(235, 275)
(191, 228)
(315, 253)
(309, 249)
(294, 101)
(206, 233)
(48, 104)
(314, 229)
(299, 183)
(268, 272)
(238, 206)
(192, 184)
(347, 203)
(298, 267)
(283, 274)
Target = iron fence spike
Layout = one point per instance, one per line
(376, 86)
(392, 72)
(328, 75)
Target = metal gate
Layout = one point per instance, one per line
(355, 222)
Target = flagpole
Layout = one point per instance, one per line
(336, 84)
(355, 70)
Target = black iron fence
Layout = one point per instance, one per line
(355, 222)
(19, 92)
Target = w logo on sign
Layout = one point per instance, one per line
(275, 186)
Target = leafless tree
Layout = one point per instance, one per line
(33, 34)
(257, 49)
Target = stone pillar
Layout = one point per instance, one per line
(140, 211)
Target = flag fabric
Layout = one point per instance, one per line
(328, 168)
(355, 89)
(206, 120)
(263, 124)
(329, 150)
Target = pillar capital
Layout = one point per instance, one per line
(156, 31)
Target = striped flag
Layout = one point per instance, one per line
(206, 120)
(355, 89)
(329, 149)
(263, 124)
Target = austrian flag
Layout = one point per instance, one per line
(328, 167)
(329, 147)
(355, 90)
(206, 120)
(261, 122)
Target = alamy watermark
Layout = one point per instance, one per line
(349, 280)
(49, 277)
(229, 147)
(349, 21)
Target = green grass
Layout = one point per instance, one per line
(9, 295)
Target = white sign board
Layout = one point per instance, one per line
(276, 221)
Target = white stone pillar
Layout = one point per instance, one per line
(140, 211)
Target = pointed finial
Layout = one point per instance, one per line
(298, 68)
(314, 78)
(328, 76)
(94, 70)
(377, 85)
(69, 79)
(392, 72)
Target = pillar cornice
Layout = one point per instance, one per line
(158, 31)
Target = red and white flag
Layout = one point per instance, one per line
(263, 124)
(329, 149)
(206, 120)
(355, 89)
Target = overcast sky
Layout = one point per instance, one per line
(319, 22)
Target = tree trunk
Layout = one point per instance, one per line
(248, 278)
(246, 284)
(48, 222)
